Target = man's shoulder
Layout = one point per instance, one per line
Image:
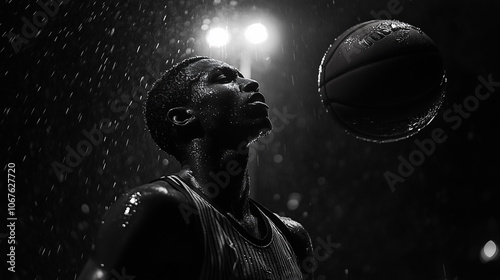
(153, 200)
(148, 209)
(299, 239)
(157, 193)
(296, 229)
(160, 186)
(148, 219)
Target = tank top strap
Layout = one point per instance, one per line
(177, 184)
(276, 221)
(232, 253)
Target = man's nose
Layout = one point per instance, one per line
(248, 85)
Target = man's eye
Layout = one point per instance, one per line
(223, 79)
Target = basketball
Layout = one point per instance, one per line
(382, 80)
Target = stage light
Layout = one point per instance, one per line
(217, 37)
(256, 33)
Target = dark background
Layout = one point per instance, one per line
(72, 75)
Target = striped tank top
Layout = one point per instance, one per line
(232, 253)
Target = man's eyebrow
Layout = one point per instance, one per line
(226, 69)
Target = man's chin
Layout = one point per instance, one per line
(245, 132)
(260, 128)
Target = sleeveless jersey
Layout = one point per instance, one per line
(232, 253)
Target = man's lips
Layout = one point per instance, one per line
(257, 99)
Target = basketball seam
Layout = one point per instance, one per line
(329, 52)
(359, 26)
(334, 100)
(374, 61)
(367, 136)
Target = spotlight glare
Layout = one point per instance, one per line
(256, 33)
(217, 37)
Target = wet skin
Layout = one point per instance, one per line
(144, 231)
(227, 104)
(232, 114)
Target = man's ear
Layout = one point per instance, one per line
(181, 116)
(187, 125)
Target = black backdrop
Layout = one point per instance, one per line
(88, 59)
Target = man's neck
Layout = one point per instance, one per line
(222, 175)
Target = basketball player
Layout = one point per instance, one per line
(201, 223)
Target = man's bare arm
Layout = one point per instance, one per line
(145, 234)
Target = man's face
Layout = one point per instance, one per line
(228, 106)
